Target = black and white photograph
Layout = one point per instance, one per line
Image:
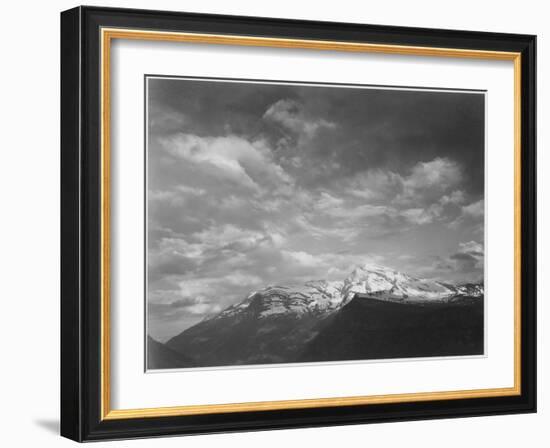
(280, 220)
(299, 223)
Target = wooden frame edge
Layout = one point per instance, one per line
(107, 34)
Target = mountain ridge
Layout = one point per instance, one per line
(311, 321)
(325, 297)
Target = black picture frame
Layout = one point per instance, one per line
(81, 381)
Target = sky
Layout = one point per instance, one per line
(255, 184)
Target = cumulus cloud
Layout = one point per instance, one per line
(429, 180)
(428, 192)
(233, 157)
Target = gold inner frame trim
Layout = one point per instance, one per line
(107, 35)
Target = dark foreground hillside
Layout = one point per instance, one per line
(367, 328)
(246, 338)
(159, 356)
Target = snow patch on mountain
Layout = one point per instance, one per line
(384, 282)
(471, 289)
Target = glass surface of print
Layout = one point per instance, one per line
(300, 223)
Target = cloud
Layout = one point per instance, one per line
(418, 216)
(456, 197)
(227, 235)
(469, 256)
(429, 192)
(359, 211)
(332, 265)
(165, 119)
(472, 247)
(429, 180)
(467, 262)
(328, 202)
(303, 258)
(208, 249)
(426, 183)
(177, 196)
(291, 116)
(472, 216)
(376, 185)
(345, 232)
(176, 306)
(235, 158)
(474, 210)
(216, 286)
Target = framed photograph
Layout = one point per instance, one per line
(276, 224)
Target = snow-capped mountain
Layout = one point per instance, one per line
(314, 320)
(323, 297)
(386, 283)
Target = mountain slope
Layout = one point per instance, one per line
(368, 328)
(268, 327)
(159, 356)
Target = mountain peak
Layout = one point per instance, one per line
(390, 284)
(378, 269)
